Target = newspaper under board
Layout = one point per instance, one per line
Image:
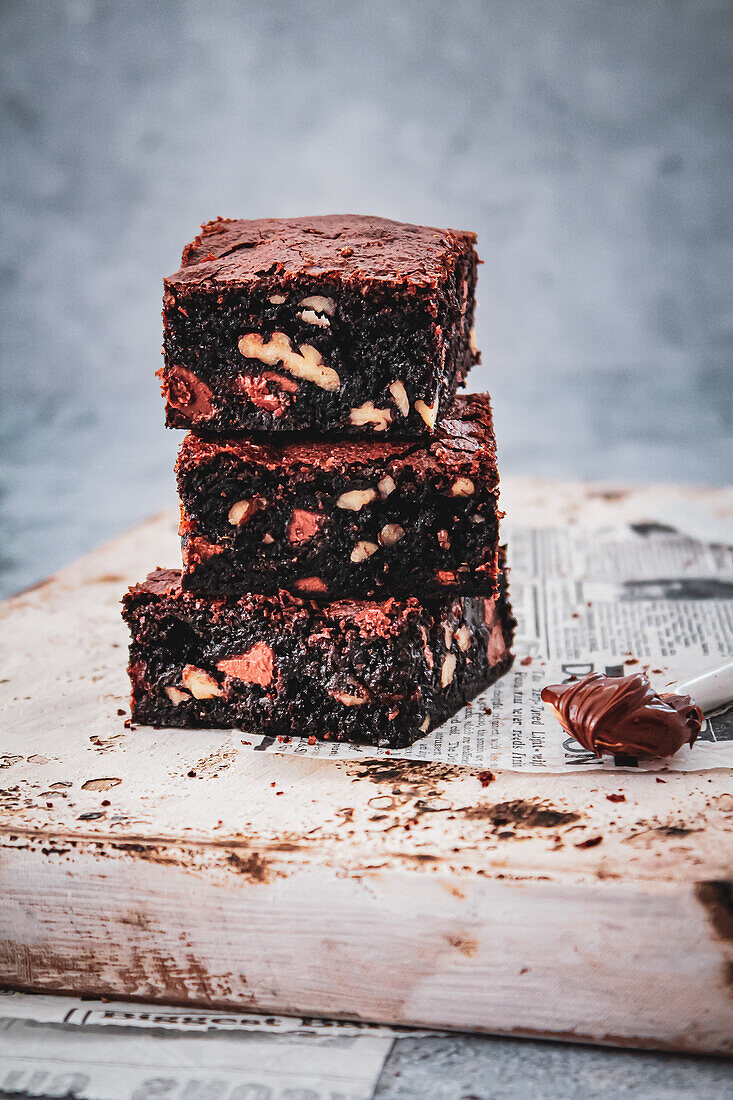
(616, 600)
(94, 1050)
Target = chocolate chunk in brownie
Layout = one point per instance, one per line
(344, 519)
(375, 672)
(329, 325)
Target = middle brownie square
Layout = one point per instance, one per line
(332, 520)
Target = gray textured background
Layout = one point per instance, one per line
(589, 143)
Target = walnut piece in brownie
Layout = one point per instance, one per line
(341, 324)
(344, 519)
(379, 673)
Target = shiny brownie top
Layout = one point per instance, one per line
(348, 248)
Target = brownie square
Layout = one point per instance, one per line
(375, 672)
(357, 519)
(342, 324)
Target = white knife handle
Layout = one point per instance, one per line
(710, 690)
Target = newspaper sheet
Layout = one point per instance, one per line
(94, 1050)
(616, 600)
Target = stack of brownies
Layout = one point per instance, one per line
(342, 576)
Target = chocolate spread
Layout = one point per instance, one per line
(624, 715)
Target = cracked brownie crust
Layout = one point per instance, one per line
(373, 672)
(333, 520)
(342, 325)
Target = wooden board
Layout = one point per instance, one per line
(185, 867)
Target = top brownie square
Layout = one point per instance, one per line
(336, 325)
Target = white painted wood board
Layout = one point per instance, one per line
(183, 866)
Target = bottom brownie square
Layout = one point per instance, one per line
(381, 673)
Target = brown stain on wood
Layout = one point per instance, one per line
(136, 919)
(716, 897)
(104, 744)
(403, 771)
(148, 974)
(216, 762)
(253, 867)
(610, 495)
(151, 853)
(520, 814)
(103, 784)
(464, 944)
(138, 844)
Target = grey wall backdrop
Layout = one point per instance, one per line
(588, 142)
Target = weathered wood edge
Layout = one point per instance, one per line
(594, 961)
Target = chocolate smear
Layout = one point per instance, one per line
(624, 715)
